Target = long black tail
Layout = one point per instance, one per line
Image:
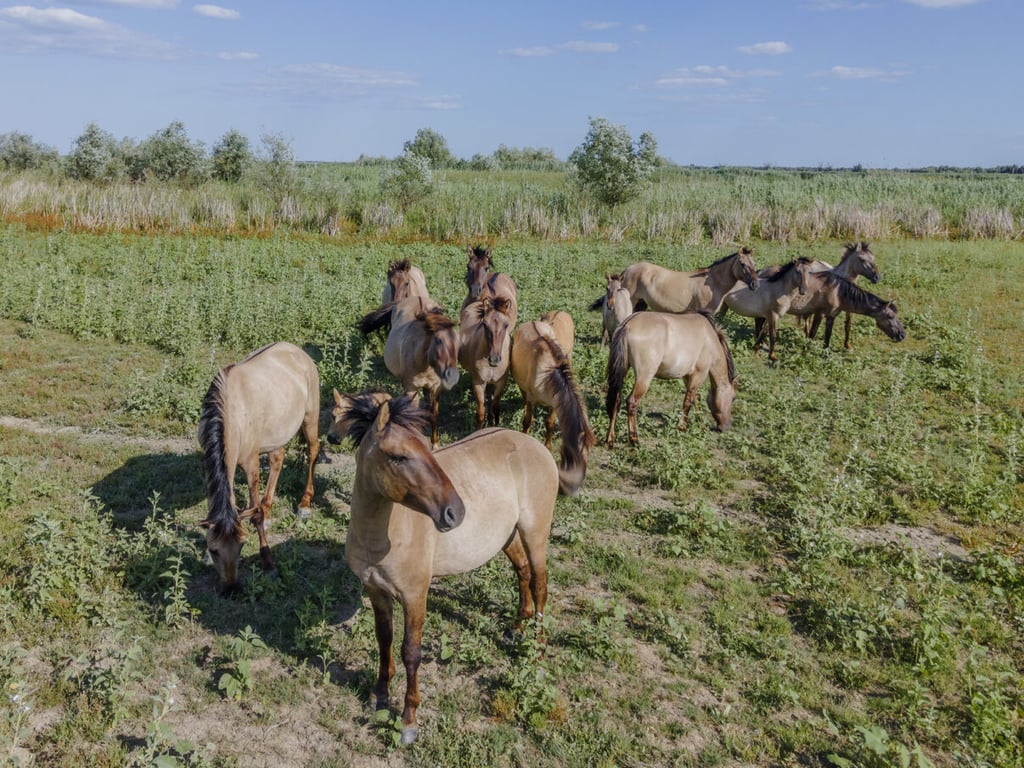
(577, 436)
(598, 304)
(222, 514)
(378, 318)
(618, 367)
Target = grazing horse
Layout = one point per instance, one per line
(828, 294)
(485, 341)
(541, 366)
(482, 281)
(615, 306)
(666, 290)
(771, 299)
(858, 260)
(404, 280)
(666, 345)
(422, 349)
(416, 515)
(253, 407)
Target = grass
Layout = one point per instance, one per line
(782, 594)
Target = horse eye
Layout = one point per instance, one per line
(214, 553)
(398, 458)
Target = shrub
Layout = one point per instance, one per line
(92, 155)
(231, 156)
(18, 152)
(610, 166)
(169, 155)
(430, 144)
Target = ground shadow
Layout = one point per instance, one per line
(129, 490)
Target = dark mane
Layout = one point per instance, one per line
(743, 250)
(402, 265)
(481, 253)
(855, 295)
(785, 269)
(404, 411)
(498, 303)
(435, 320)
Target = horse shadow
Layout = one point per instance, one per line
(172, 481)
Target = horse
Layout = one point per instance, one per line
(422, 348)
(666, 290)
(858, 260)
(485, 341)
(253, 407)
(615, 306)
(417, 514)
(828, 294)
(404, 280)
(482, 281)
(771, 299)
(667, 345)
(541, 366)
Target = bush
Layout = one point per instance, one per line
(92, 155)
(18, 152)
(610, 166)
(430, 144)
(231, 156)
(410, 180)
(169, 155)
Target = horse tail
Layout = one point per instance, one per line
(378, 318)
(577, 436)
(222, 514)
(618, 366)
(598, 304)
(731, 366)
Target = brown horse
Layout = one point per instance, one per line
(858, 260)
(666, 290)
(541, 366)
(404, 280)
(422, 348)
(481, 280)
(771, 299)
(485, 340)
(416, 515)
(616, 305)
(666, 345)
(253, 407)
(828, 294)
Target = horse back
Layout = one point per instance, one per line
(662, 289)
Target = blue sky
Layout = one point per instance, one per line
(883, 83)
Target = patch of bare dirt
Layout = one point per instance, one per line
(928, 541)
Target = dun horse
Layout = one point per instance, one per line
(253, 407)
(416, 515)
(858, 260)
(616, 305)
(404, 280)
(666, 290)
(771, 299)
(481, 280)
(670, 346)
(485, 341)
(422, 348)
(541, 367)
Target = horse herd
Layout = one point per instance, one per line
(419, 510)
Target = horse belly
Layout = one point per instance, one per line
(475, 542)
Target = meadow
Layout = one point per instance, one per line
(836, 581)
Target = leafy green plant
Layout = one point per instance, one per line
(236, 681)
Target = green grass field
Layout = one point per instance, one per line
(837, 581)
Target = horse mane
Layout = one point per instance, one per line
(501, 304)
(854, 294)
(785, 269)
(742, 251)
(479, 253)
(401, 265)
(404, 411)
(435, 320)
(222, 514)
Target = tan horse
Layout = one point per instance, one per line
(857, 261)
(666, 290)
(541, 366)
(253, 407)
(616, 305)
(422, 348)
(485, 341)
(404, 280)
(670, 346)
(828, 294)
(416, 515)
(771, 299)
(482, 281)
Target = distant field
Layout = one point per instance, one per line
(836, 581)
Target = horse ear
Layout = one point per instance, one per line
(892, 304)
(339, 399)
(383, 416)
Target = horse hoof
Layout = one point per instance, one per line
(410, 734)
(303, 513)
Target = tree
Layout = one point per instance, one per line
(18, 152)
(231, 156)
(410, 180)
(277, 164)
(92, 154)
(430, 144)
(169, 155)
(610, 165)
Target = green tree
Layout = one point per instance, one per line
(277, 164)
(169, 155)
(410, 180)
(18, 152)
(430, 144)
(231, 156)
(92, 155)
(610, 166)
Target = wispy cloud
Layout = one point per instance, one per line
(840, 72)
(705, 75)
(216, 12)
(837, 5)
(326, 82)
(600, 25)
(237, 56)
(24, 29)
(160, 4)
(771, 48)
(574, 46)
(941, 3)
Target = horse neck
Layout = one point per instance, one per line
(845, 267)
(370, 520)
(720, 278)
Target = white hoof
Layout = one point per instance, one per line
(409, 735)
(303, 513)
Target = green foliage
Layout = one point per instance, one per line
(93, 155)
(410, 180)
(431, 145)
(610, 166)
(18, 152)
(169, 155)
(236, 681)
(231, 157)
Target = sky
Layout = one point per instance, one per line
(880, 83)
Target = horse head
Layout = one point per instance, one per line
(744, 269)
(889, 323)
(496, 320)
(400, 279)
(863, 261)
(443, 346)
(479, 266)
(224, 544)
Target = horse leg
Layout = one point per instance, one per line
(527, 416)
(415, 610)
(313, 450)
(276, 458)
(828, 329)
(813, 328)
(517, 554)
(498, 388)
(632, 406)
(692, 386)
(609, 439)
(772, 331)
(846, 338)
(384, 629)
(549, 427)
(480, 393)
(435, 407)
(251, 466)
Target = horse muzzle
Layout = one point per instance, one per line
(450, 377)
(450, 517)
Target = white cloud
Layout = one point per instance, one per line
(216, 12)
(862, 73)
(237, 56)
(772, 48)
(837, 5)
(600, 25)
(942, 3)
(706, 75)
(165, 4)
(576, 46)
(320, 82)
(535, 51)
(24, 29)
